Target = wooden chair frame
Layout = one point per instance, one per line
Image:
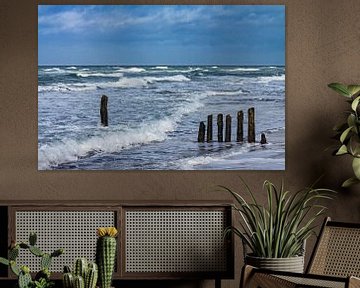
(255, 277)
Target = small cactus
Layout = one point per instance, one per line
(36, 251)
(91, 276)
(24, 280)
(106, 254)
(79, 282)
(68, 280)
(13, 253)
(45, 261)
(81, 267)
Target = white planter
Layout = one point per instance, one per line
(291, 264)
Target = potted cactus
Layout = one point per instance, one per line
(42, 278)
(106, 254)
(84, 275)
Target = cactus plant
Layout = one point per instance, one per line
(105, 254)
(24, 277)
(42, 278)
(80, 268)
(79, 282)
(91, 276)
(84, 274)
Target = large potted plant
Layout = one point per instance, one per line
(348, 132)
(275, 233)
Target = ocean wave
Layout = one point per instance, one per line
(243, 70)
(176, 78)
(70, 150)
(124, 82)
(54, 70)
(226, 93)
(66, 88)
(190, 163)
(268, 79)
(71, 68)
(131, 70)
(272, 160)
(161, 67)
(85, 75)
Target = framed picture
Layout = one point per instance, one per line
(133, 87)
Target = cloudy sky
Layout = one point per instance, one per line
(155, 34)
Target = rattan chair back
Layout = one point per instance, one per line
(337, 252)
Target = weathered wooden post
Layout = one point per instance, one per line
(251, 125)
(228, 128)
(209, 132)
(201, 134)
(220, 124)
(240, 128)
(103, 110)
(263, 139)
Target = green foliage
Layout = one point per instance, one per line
(279, 229)
(42, 283)
(42, 278)
(349, 132)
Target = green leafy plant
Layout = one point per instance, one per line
(279, 229)
(348, 132)
(42, 278)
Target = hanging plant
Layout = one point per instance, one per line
(348, 132)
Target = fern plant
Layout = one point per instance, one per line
(348, 132)
(279, 229)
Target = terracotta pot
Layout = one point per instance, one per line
(291, 264)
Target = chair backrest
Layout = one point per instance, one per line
(337, 251)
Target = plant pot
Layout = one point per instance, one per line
(291, 264)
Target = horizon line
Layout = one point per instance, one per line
(249, 65)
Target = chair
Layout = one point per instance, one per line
(335, 262)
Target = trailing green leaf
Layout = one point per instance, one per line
(349, 182)
(342, 150)
(349, 132)
(340, 88)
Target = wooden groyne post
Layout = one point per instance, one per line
(263, 139)
(201, 134)
(240, 127)
(228, 128)
(209, 131)
(251, 125)
(103, 110)
(220, 124)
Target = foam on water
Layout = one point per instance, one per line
(85, 75)
(268, 79)
(236, 159)
(70, 150)
(124, 82)
(243, 70)
(131, 70)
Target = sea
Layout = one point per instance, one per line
(154, 114)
